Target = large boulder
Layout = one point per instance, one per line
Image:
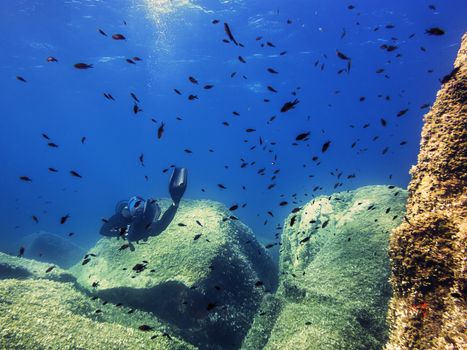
(52, 248)
(334, 274)
(206, 275)
(41, 314)
(22, 268)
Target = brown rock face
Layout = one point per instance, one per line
(428, 308)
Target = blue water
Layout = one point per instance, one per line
(177, 39)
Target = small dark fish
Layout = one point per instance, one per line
(21, 252)
(71, 234)
(181, 224)
(45, 136)
(199, 223)
(53, 145)
(160, 130)
(130, 61)
(186, 150)
(215, 21)
(270, 88)
(136, 58)
(287, 106)
(221, 186)
(435, 31)
(259, 283)
(196, 237)
(402, 112)
(229, 33)
(302, 136)
(325, 224)
(118, 37)
(102, 32)
(35, 219)
(21, 79)
(136, 108)
(145, 328)
(83, 139)
(383, 122)
(388, 48)
(193, 80)
(283, 203)
(208, 86)
(325, 146)
(25, 178)
(342, 56)
(193, 97)
(272, 71)
(124, 246)
(141, 159)
(177, 92)
(95, 285)
(233, 207)
(134, 97)
(139, 268)
(64, 218)
(241, 59)
(304, 240)
(75, 174)
(82, 65)
(50, 269)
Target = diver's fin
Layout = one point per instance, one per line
(178, 183)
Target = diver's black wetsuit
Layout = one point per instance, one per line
(141, 216)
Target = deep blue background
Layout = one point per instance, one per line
(67, 103)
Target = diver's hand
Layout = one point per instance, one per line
(178, 183)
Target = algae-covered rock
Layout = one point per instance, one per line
(52, 248)
(22, 268)
(41, 314)
(334, 272)
(205, 274)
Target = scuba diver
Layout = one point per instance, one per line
(139, 218)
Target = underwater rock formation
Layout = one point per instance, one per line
(22, 268)
(427, 251)
(41, 314)
(334, 274)
(205, 275)
(51, 248)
